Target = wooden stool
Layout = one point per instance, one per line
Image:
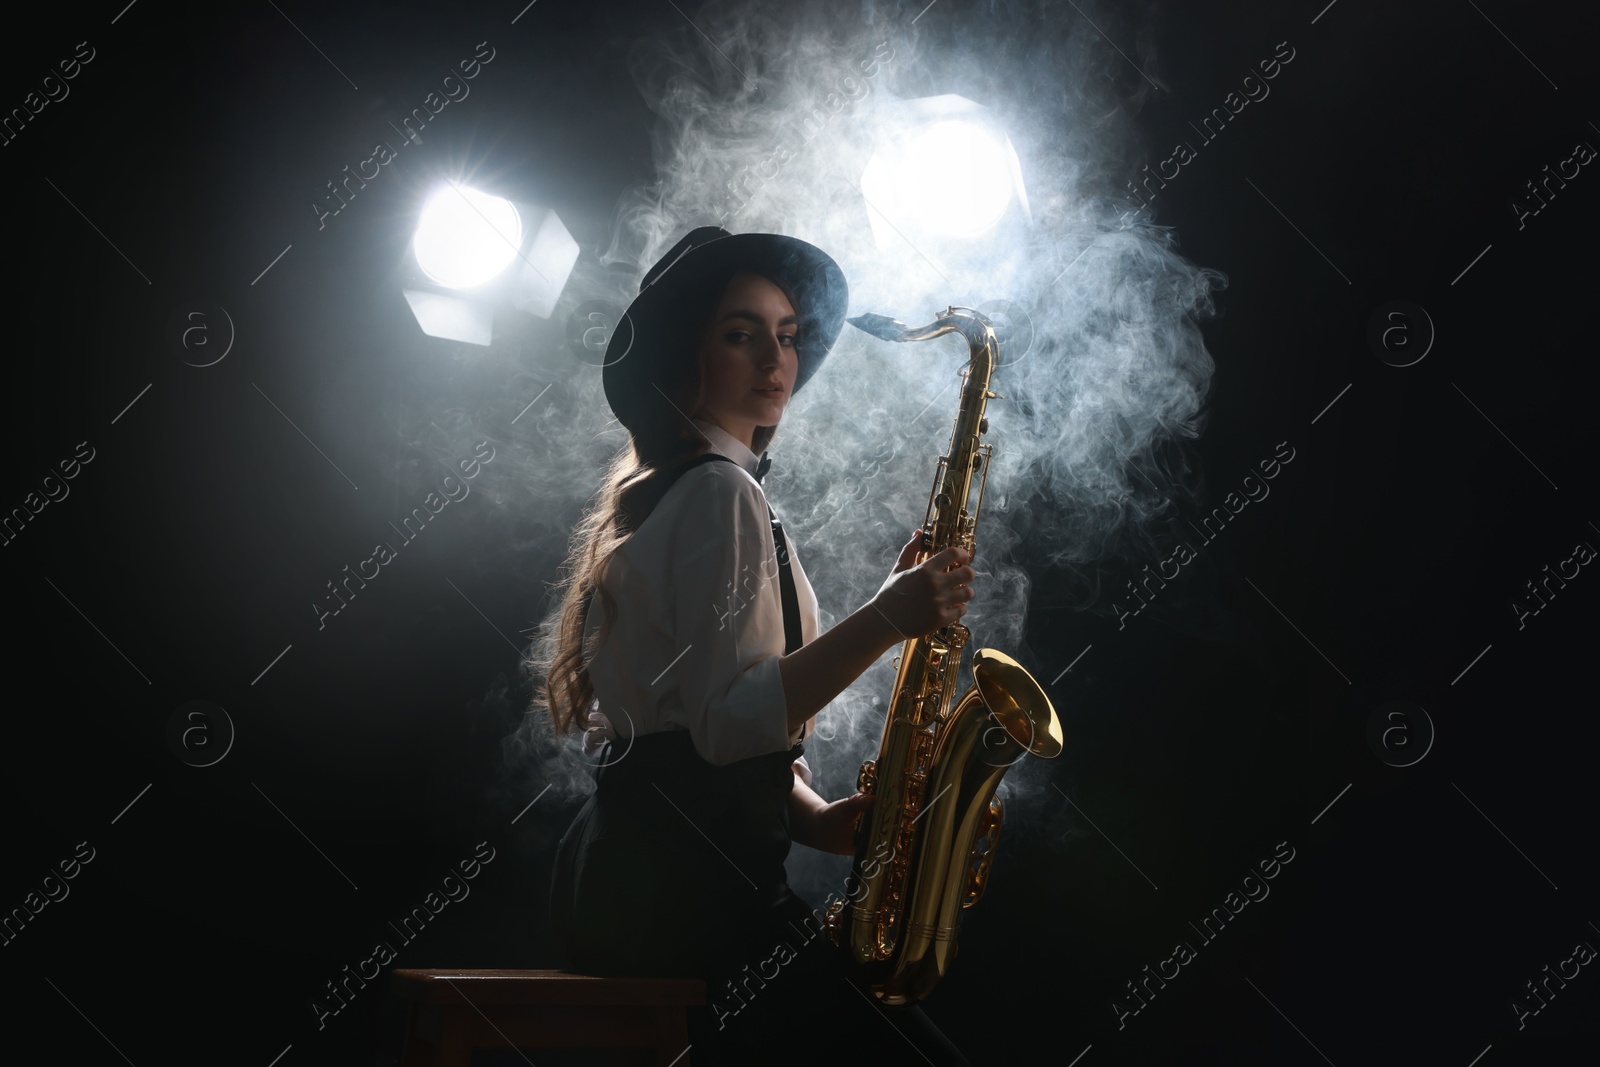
(453, 1012)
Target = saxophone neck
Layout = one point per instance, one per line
(963, 320)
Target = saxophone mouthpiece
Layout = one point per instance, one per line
(880, 326)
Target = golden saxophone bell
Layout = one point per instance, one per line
(925, 849)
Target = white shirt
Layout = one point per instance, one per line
(699, 627)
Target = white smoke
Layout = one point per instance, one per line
(1116, 366)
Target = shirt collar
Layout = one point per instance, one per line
(726, 444)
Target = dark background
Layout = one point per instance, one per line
(1223, 720)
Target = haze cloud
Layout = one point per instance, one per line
(1116, 366)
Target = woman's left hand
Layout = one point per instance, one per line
(834, 826)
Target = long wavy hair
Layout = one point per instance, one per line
(633, 484)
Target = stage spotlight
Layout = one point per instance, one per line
(474, 254)
(944, 169)
(465, 237)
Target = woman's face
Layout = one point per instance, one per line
(748, 357)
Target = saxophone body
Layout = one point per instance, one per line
(924, 850)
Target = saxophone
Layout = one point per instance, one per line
(921, 857)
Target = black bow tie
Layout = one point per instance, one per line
(764, 466)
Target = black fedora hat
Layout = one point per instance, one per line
(660, 329)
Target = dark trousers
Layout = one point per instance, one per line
(674, 868)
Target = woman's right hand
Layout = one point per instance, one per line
(918, 598)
